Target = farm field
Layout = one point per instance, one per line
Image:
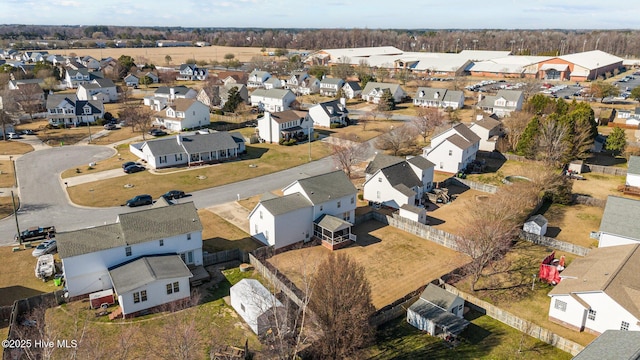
(403, 262)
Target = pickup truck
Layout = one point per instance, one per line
(36, 232)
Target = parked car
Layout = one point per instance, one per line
(157, 132)
(139, 200)
(44, 232)
(134, 169)
(45, 247)
(110, 126)
(129, 163)
(12, 135)
(174, 194)
(28, 132)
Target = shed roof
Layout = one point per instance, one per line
(332, 223)
(538, 219)
(448, 321)
(146, 270)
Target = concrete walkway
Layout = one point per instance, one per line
(234, 213)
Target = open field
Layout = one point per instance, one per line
(403, 262)
(213, 323)
(268, 158)
(507, 285)
(485, 338)
(219, 234)
(178, 55)
(573, 223)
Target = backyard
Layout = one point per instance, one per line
(396, 262)
(572, 223)
(219, 234)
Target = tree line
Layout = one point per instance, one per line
(623, 43)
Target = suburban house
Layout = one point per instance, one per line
(330, 112)
(134, 80)
(73, 78)
(196, 149)
(257, 306)
(217, 95)
(66, 110)
(27, 93)
(439, 98)
(373, 91)
(98, 89)
(438, 312)
(296, 79)
(620, 224)
(183, 114)
(15, 84)
(380, 161)
(633, 171)
(272, 83)
(284, 125)
(600, 291)
(631, 117)
(453, 149)
(489, 130)
(503, 103)
(257, 79)
(319, 207)
(273, 100)
(402, 183)
(612, 344)
(331, 86)
(165, 95)
(144, 256)
(191, 72)
(352, 90)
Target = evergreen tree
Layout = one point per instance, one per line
(233, 100)
(527, 144)
(386, 101)
(616, 141)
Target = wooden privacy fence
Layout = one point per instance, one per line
(554, 243)
(520, 324)
(223, 256)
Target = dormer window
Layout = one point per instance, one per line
(86, 110)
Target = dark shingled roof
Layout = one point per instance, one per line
(286, 204)
(333, 185)
(380, 161)
(401, 173)
(459, 141)
(146, 270)
(208, 142)
(131, 228)
(613, 344)
(420, 162)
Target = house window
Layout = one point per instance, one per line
(266, 234)
(255, 228)
(189, 236)
(169, 289)
(346, 216)
(338, 204)
(353, 199)
(624, 326)
(161, 242)
(260, 215)
(136, 297)
(178, 157)
(377, 194)
(379, 179)
(176, 287)
(591, 315)
(560, 305)
(450, 152)
(163, 159)
(143, 295)
(140, 296)
(190, 257)
(87, 110)
(127, 251)
(441, 165)
(242, 307)
(320, 207)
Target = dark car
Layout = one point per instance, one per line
(157, 132)
(129, 163)
(139, 200)
(28, 132)
(134, 169)
(174, 194)
(110, 126)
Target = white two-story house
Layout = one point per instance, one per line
(489, 130)
(257, 79)
(600, 291)
(73, 77)
(273, 100)
(183, 114)
(319, 207)
(503, 103)
(66, 110)
(331, 86)
(98, 89)
(143, 256)
(191, 72)
(373, 91)
(453, 149)
(284, 125)
(439, 98)
(165, 95)
(330, 112)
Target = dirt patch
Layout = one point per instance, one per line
(401, 262)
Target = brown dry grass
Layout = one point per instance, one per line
(451, 217)
(395, 262)
(372, 129)
(6, 205)
(598, 185)
(7, 177)
(269, 158)
(17, 277)
(10, 147)
(250, 202)
(507, 285)
(574, 223)
(219, 234)
(178, 55)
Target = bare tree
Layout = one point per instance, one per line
(138, 117)
(552, 146)
(342, 304)
(426, 121)
(530, 86)
(346, 152)
(33, 326)
(30, 98)
(514, 126)
(397, 139)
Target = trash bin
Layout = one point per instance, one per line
(57, 280)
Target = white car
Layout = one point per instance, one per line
(12, 135)
(45, 247)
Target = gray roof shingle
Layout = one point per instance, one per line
(613, 344)
(146, 270)
(621, 217)
(286, 204)
(333, 185)
(401, 173)
(380, 161)
(633, 166)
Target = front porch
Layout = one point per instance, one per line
(212, 157)
(334, 233)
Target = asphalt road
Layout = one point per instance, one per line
(44, 201)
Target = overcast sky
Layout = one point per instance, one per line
(372, 14)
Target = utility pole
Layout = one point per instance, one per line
(15, 215)
(309, 136)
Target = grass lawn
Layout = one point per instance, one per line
(497, 170)
(113, 136)
(507, 285)
(372, 128)
(215, 322)
(451, 217)
(403, 262)
(10, 147)
(573, 223)
(598, 185)
(115, 162)
(267, 158)
(485, 338)
(17, 277)
(219, 234)
(7, 177)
